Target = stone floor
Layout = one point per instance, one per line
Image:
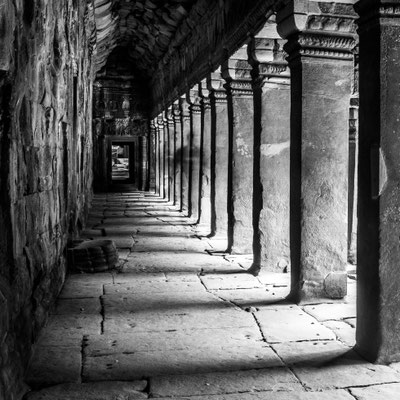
(183, 320)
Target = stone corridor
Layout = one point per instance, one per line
(181, 319)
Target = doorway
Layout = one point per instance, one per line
(122, 157)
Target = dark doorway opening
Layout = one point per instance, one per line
(122, 162)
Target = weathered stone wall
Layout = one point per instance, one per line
(45, 164)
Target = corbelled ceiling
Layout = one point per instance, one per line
(143, 27)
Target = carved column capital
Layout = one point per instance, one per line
(185, 108)
(204, 94)
(176, 112)
(318, 29)
(215, 85)
(372, 12)
(237, 73)
(267, 56)
(169, 117)
(194, 99)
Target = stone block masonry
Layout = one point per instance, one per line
(45, 145)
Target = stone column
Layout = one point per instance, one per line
(236, 72)
(143, 142)
(152, 155)
(160, 126)
(320, 60)
(166, 156)
(195, 143)
(271, 85)
(186, 130)
(178, 154)
(378, 253)
(171, 153)
(219, 153)
(157, 156)
(205, 156)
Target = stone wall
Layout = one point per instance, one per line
(45, 164)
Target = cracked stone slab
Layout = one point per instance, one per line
(344, 372)
(135, 277)
(153, 287)
(301, 395)
(379, 392)
(72, 324)
(313, 352)
(157, 244)
(49, 337)
(174, 339)
(76, 290)
(230, 281)
(93, 278)
(92, 391)
(253, 297)
(326, 312)
(182, 277)
(180, 262)
(275, 279)
(122, 241)
(269, 379)
(77, 306)
(196, 360)
(163, 302)
(193, 319)
(54, 365)
(344, 332)
(283, 323)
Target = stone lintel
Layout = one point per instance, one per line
(318, 30)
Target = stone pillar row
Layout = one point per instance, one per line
(261, 156)
(257, 152)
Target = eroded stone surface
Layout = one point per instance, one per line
(289, 324)
(379, 392)
(326, 312)
(346, 371)
(274, 379)
(92, 391)
(52, 365)
(196, 360)
(174, 339)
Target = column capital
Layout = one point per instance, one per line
(169, 117)
(236, 71)
(176, 112)
(318, 29)
(215, 85)
(204, 94)
(185, 107)
(267, 56)
(371, 11)
(194, 99)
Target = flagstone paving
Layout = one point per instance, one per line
(181, 319)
